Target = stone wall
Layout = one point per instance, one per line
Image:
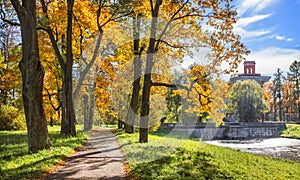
(208, 131)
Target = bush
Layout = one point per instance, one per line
(11, 118)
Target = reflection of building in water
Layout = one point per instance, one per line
(249, 73)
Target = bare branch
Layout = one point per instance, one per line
(12, 23)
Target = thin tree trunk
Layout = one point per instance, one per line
(88, 67)
(85, 112)
(68, 125)
(92, 106)
(32, 77)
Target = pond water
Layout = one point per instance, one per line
(276, 147)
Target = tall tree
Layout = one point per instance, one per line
(32, 77)
(224, 44)
(294, 75)
(277, 94)
(66, 64)
(68, 123)
(137, 70)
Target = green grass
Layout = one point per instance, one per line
(16, 163)
(292, 131)
(175, 158)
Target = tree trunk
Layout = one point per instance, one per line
(68, 125)
(92, 106)
(147, 76)
(275, 108)
(32, 77)
(85, 112)
(137, 66)
(145, 109)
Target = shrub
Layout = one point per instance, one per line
(11, 118)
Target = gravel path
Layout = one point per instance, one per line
(100, 158)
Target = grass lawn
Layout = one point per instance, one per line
(16, 163)
(174, 158)
(292, 131)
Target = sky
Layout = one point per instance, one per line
(270, 29)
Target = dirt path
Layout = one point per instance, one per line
(100, 158)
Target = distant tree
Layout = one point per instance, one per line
(277, 94)
(294, 75)
(268, 97)
(10, 55)
(246, 101)
(173, 105)
(287, 97)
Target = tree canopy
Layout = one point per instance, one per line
(246, 101)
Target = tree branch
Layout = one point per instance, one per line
(168, 24)
(173, 46)
(52, 38)
(12, 23)
(169, 85)
(151, 4)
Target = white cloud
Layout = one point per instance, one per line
(280, 38)
(242, 23)
(254, 6)
(250, 13)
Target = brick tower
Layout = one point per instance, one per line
(249, 73)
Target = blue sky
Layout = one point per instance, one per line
(271, 31)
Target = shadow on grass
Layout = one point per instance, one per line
(12, 144)
(16, 163)
(29, 171)
(173, 133)
(180, 165)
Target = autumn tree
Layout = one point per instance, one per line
(268, 98)
(137, 63)
(246, 101)
(287, 99)
(225, 45)
(174, 104)
(32, 77)
(65, 59)
(108, 15)
(10, 55)
(10, 80)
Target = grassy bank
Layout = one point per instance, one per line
(173, 158)
(292, 131)
(16, 163)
